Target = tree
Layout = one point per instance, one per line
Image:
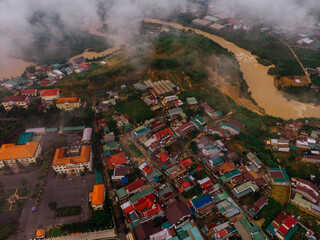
(52, 205)
(194, 147)
(23, 182)
(63, 175)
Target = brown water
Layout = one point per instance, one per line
(12, 67)
(260, 83)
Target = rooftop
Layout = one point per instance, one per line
(60, 157)
(13, 151)
(97, 195)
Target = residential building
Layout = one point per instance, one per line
(184, 129)
(78, 60)
(72, 160)
(116, 159)
(68, 103)
(311, 158)
(11, 154)
(254, 159)
(244, 189)
(283, 226)
(29, 92)
(97, 196)
(258, 205)
(20, 101)
(199, 122)
(121, 171)
(50, 94)
(306, 189)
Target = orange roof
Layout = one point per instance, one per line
(116, 159)
(13, 151)
(40, 233)
(254, 174)
(226, 167)
(60, 159)
(97, 195)
(68, 99)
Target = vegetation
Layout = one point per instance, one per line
(135, 108)
(269, 212)
(54, 232)
(52, 205)
(67, 211)
(7, 229)
(194, 191)
(101, 220)
(303, 94)
(4, 93)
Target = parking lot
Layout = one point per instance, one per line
(66, 192)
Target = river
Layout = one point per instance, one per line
(260, 83)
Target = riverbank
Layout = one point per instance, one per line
(261, 84)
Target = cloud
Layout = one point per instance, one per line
(287, 13)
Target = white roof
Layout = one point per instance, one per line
(125, 205)
(87, 132)
(202, 181)
(164, 234)
(36, 130)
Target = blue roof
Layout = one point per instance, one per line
(124, 180)
(24, 138)
(202, 202)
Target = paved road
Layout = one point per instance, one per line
(66, 192)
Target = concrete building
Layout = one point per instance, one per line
(72, 160)
(10, 101)
(97, 197)
(68, 103)
(50, 94)
(11, 154)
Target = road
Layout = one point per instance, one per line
(117, 212)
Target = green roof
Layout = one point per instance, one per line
(50, 130)
(230, 174)
(166, 225)
(198, 121)
(99, 177)
(24, 138)
(244, 189)
(192, 101)
(141, 194)
(73, 128)
(121, 193)
(216, 161)
(141, 129)
(298, 198)
(228, 125)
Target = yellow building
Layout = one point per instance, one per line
(68, 103)
(25, 154)
(97, 197)
(73, 160)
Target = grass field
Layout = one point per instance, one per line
(54, 232)
(280, 193)
(22, 194)
(4, 93)
(135, 108)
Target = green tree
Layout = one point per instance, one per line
(52, 205)
(23, 182)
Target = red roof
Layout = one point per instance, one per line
(28, 91)
(283, 230)
(186, 184)
(199, 168)
(129, 209)
(187, 163)
(163, 133)
(164, 157)
(15, 99)
(290, 222)
(222, 233)
(309, 192)
(154, 210)
(135, 185)
(116, 159)
(310, 184)
(49, 92)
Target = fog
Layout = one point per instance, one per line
(291, 14)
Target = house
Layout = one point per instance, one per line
(192, 101)
(279, 176)
(258, 205)
(178, 213)
(116, 159)
(173, 112)
(11, 154)
(184, 129)
(78, 60)
(86, 136)
(311, 159)
(283, 226)
(50, 94)
(254, 159)
(121, 171)
(68, 103)
(244, 189)
(306, 189)
(211, 150)
(20, 101)
(29, 92)
(199, 122)
(72, 160)
(140, 131)
(226, 167)
(233, 126)
(201, 22)
(97, 196)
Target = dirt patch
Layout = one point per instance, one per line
(280, 193)
(259, 222)
(293, 81)
(232, 90)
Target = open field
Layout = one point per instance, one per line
(280, 193)
(293, 81)
(135, 108)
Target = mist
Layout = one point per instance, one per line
(290, 14)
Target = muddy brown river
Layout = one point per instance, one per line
(260, 83)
